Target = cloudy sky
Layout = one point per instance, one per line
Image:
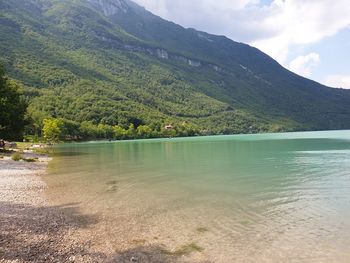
(310, 37)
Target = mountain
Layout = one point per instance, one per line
(113, 62)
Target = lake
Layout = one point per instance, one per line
(241, 198)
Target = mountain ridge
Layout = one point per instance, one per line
(109, 7)
(156, 71)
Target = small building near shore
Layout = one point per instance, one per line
(169, 127)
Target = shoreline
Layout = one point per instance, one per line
(32, 229)
(198, 137)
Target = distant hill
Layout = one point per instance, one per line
(113, 62)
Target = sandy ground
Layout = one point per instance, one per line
(34, 230)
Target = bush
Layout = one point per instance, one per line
(17, 156)
(52, 129)
(32, 138)
(30, 160)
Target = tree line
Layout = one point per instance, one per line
(90, 111)
(16, 123)
(12, 108)
(55, 130)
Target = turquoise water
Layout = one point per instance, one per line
(241, 198)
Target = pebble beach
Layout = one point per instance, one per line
(31, 229)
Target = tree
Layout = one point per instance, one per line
(105, 131)
(12, 109)
(35, 121)
(131, 131)
(88, 130)
(119, 132)
(53, 129)
(144, 131)
(70, 130)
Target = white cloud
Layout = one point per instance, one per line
(338, 81)
(303, 65)
(303, 22)
(234, 19)
(274, 28)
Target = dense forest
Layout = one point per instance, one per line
(90, 69)
(12, 108)
(19, 121)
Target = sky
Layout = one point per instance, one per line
(309, 37)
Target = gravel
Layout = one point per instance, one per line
(32, 230)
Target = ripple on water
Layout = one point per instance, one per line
(286, 197)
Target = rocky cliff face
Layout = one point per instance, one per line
(110, 7)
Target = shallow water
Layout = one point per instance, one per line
(245, 198)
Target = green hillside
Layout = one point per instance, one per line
(112, 62)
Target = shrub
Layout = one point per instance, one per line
(30, 160)
(17, 156)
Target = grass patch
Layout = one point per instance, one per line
(184, 250)
(17, 156)
(23, 145)
(30, 160)
(42, 151)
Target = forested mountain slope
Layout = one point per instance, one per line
(113, 62)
